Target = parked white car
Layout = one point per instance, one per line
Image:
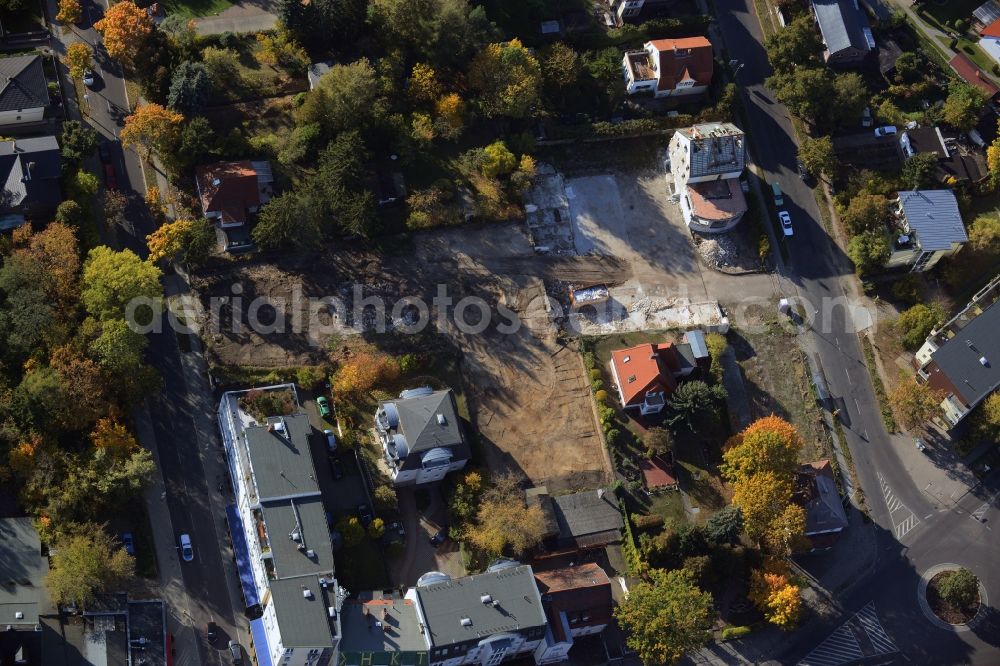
(187, 550)
(786, 222)
(885, 130)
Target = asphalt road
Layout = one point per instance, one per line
(189, 486)
(935, 534)
(208, 593)
(106, 106)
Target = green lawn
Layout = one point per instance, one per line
(940, 13)
(971, 50)
(670, 506)
(196, 8)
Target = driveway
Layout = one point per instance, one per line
(420, 556)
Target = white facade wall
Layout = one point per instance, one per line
(22, 116)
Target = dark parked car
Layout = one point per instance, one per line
(104, 151)
(365, 515)
(213, 632)
(438, 538)
(336, 469)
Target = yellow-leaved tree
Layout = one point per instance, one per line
(168, 239)
(762, 498)
(450, 112)
(114, 437)
(508, 78)
(151, 127)
(77, 59)
(125, 28)
(423, 86)
(364, 371)
(69, 11)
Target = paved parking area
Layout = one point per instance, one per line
(420, 555)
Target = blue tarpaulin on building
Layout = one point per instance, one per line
(260, 645)
(242, 555)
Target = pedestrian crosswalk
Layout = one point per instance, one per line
(903, 520)
(868, 619)
(840, 648)
(860, 638)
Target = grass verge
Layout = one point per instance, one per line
(196, 8)
(883, 399)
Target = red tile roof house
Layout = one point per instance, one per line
(230, 191)
(658, 474)
(966, 69)
(577, 602)
(646, 375)
(670, 67)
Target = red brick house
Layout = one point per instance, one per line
(646, 375)
(577, 602)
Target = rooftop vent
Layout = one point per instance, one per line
(307, 593)
(295, 536)
(631, 379)
(466, 622)
(983, 361)
(442, 420)
(216, 182)
(331, 611)
(18, 615)
(486, 599)
(626, 359)
(310, 553)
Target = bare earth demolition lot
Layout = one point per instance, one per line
(528, 395)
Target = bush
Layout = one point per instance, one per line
(596, 385)
(310, 377)
(916, 323)
(410, 363)
(601, 397)
(595, 374)
(732, 633)
(647, 523)
(614, 437)
(907, 289)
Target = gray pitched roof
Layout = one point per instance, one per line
(22, 572)
(843, 24)
(959, 358)
(518, 607)
(305, 516)
(282, 464)
(825, 512)
(715, 148)
(585, 513)
(30, 172)
(22, 83)
(934, 218)
(420, 425)
(303, 620)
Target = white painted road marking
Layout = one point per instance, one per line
(842, 645)
(903, 520)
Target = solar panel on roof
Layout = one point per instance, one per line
(988, 12)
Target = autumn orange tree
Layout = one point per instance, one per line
(768, 444)
(151, 127)
(772, 592)
(112, 436)
(69, 11)
(55, 250)
(364, 371)
(125, 28)
(77, 59)
(450, 120)
(423, 86)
